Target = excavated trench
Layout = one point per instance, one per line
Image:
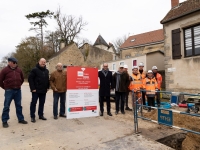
(173, 141)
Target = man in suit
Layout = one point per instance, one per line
(105, 77)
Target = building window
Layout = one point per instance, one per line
(192, 41)
(134, 62)
(121, 63)
(176, 43)
(113, 66)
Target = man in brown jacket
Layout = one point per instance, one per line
(58, 85)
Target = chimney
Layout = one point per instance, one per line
(62, 45)
(174, 3)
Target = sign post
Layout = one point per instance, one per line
(165, 117)
(82, 92)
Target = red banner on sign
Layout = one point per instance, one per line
(90, 108)
(73, 109)
(82, 78)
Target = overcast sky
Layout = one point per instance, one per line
(110, 18)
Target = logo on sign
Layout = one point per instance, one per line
(80, 73)
(83, 69)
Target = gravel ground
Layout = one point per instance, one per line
(105, 132)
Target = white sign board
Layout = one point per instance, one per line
(82, 92)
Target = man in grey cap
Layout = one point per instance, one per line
(11, 79)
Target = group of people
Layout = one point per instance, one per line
(11, 79)
(142, 85)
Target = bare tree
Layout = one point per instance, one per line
(81, 41)
(52, 40)
(119, 41)
(69, 26)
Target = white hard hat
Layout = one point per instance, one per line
(126, 66)
(149, 71)
(154, 67)
(135, 67)
(121, 66)
(141, 64)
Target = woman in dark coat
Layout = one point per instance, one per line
(105, 77)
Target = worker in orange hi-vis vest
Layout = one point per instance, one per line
(159, 81)
(136, 84)
(143, 74)
(151, 86)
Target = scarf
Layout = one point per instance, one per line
(118, 78)
(105, 72)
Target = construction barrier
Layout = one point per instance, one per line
(165, 116)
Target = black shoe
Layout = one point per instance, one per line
(101, 113)
(127, 108)
(33, 120)
(23, 122)
(55, 117)
(123, 112)
(42, 117)
(5, 125)
(116, 112)
(109, 114)
(62, 115)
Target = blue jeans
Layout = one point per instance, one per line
(56, 97)
(35, 96)
(9, 95)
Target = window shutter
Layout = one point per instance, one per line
(176, 44)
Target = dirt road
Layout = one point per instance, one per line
(106, 132)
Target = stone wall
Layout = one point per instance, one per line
(87, 56)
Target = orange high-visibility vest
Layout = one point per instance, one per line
(150, 85)
(136, 84)
(143, 74)
(159, 80)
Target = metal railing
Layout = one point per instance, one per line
(164, 118)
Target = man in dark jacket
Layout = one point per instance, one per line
(39, 85)
(120, 82)
(105, 77)
(11, 79)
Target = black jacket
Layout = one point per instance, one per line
(105, 83)
(123, 82)
(39, 79)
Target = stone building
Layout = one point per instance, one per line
(182, 46)
(101, 43)
(143, 43)
(86, 55)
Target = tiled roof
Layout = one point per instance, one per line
(184, 8)
(143, 38)
(100, 41)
